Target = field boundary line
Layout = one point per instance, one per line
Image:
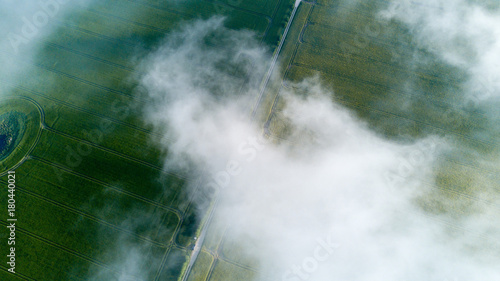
(489, 144)
(62, 248)
(38, 135)
(96, 34)
(114, 188)
(18, 274)
(82, 109)
(89, 216)
(111, 151)
(118, 18)
(392, 65)
(254, 13)
(88, 56)
(84, 81)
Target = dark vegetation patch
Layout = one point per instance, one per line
(12, 127)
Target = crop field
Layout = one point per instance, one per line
(89, 176)
(368, 62)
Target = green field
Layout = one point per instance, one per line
(89, 176)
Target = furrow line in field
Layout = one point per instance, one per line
(89, 216)
(63, 248)
(82, 109)
(114, 188)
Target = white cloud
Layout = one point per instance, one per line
(25, 24)
(327, 179)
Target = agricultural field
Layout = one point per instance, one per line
(88, 174)
(90, 177)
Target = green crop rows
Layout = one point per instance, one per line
(89, 177)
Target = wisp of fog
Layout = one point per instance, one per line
(25, 25)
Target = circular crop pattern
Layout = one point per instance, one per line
(20, 124)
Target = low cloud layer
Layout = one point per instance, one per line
(25, 24)
(464, 33)
(330, 199)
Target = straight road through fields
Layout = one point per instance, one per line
(275, 58)
(204, 229)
